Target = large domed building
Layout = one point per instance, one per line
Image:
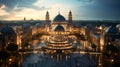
(7, 35)
(111, 34)
(59, 28)
(59, 19)
(59, 39)
(7, 30)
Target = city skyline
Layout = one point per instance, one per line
(81, 9)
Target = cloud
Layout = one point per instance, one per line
(3, 6)
(101, 9)
(109, 1)
(29, 13)
(38, 3)
(102, 1)
(85, 0)
(17, 9)
(3, 12)
(20, 3)
(36, 9)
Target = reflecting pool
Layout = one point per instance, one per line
(75, 59)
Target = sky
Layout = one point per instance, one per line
(81, 9)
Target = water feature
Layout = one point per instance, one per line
(39, 59)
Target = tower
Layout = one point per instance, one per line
(47, 16)
(70, 16)
(24, 18)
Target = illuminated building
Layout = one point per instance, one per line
(59, 31)
(111, 34)
(101, 36)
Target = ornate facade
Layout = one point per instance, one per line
(58, 34)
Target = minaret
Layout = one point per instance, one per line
(59, 12)
(47, 16)
(70, 16)
(24, 19)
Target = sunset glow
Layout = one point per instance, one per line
(81, 9)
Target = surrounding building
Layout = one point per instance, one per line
(7, 36)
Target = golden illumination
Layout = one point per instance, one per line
(10, 59)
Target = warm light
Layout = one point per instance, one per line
(20, 47)
(100, 28)
(75, 41)
(112, 60)
(99, 63)
(42, 41)
(10, 59)
(35, 52)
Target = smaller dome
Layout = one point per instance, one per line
(104, 25)
(26, 25)
(7, 30)
(59, 28)
(118, 26)
(38, 24)
(89, 26)
(112, 30)
(59, 18)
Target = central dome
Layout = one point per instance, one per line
(59, 18)
(7, 30)
(59, 28)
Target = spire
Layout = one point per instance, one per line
(59, 12)
(24, 18)
(47, 16)
(47, 12)
(70, 16)
(70, 12)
